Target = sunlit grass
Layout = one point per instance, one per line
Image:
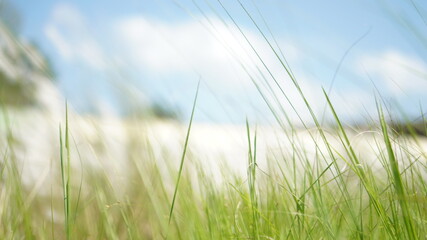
(321, 186)
(335, 195)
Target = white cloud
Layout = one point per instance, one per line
(185, 49)
(400, 73)
(70, 35)
(188, 48)
(61, 45)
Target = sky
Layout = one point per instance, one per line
(111, 55)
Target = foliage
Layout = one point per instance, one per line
(334, 193)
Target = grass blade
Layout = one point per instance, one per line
(183, 154)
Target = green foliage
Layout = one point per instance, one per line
(23, 64)
(334, 193)
(163, 112)
(16, 93)
(296, 197)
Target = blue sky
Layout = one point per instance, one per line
(156, 51)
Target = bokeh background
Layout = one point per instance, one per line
(146, 57)
(96, 107)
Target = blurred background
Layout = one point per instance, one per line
(129, 71)
(145, 58)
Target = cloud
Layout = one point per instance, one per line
(218, 53)
(398, 72)
(173, 52)
(69, 33)
(215, 51)
(187, 48)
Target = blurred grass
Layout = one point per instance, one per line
(298, 196)
(334, 193)
(309, 199)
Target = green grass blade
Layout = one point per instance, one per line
(183, 154)
(397, 178)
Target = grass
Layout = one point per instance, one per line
(318, 187)
(303, 193)
(181, 165)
